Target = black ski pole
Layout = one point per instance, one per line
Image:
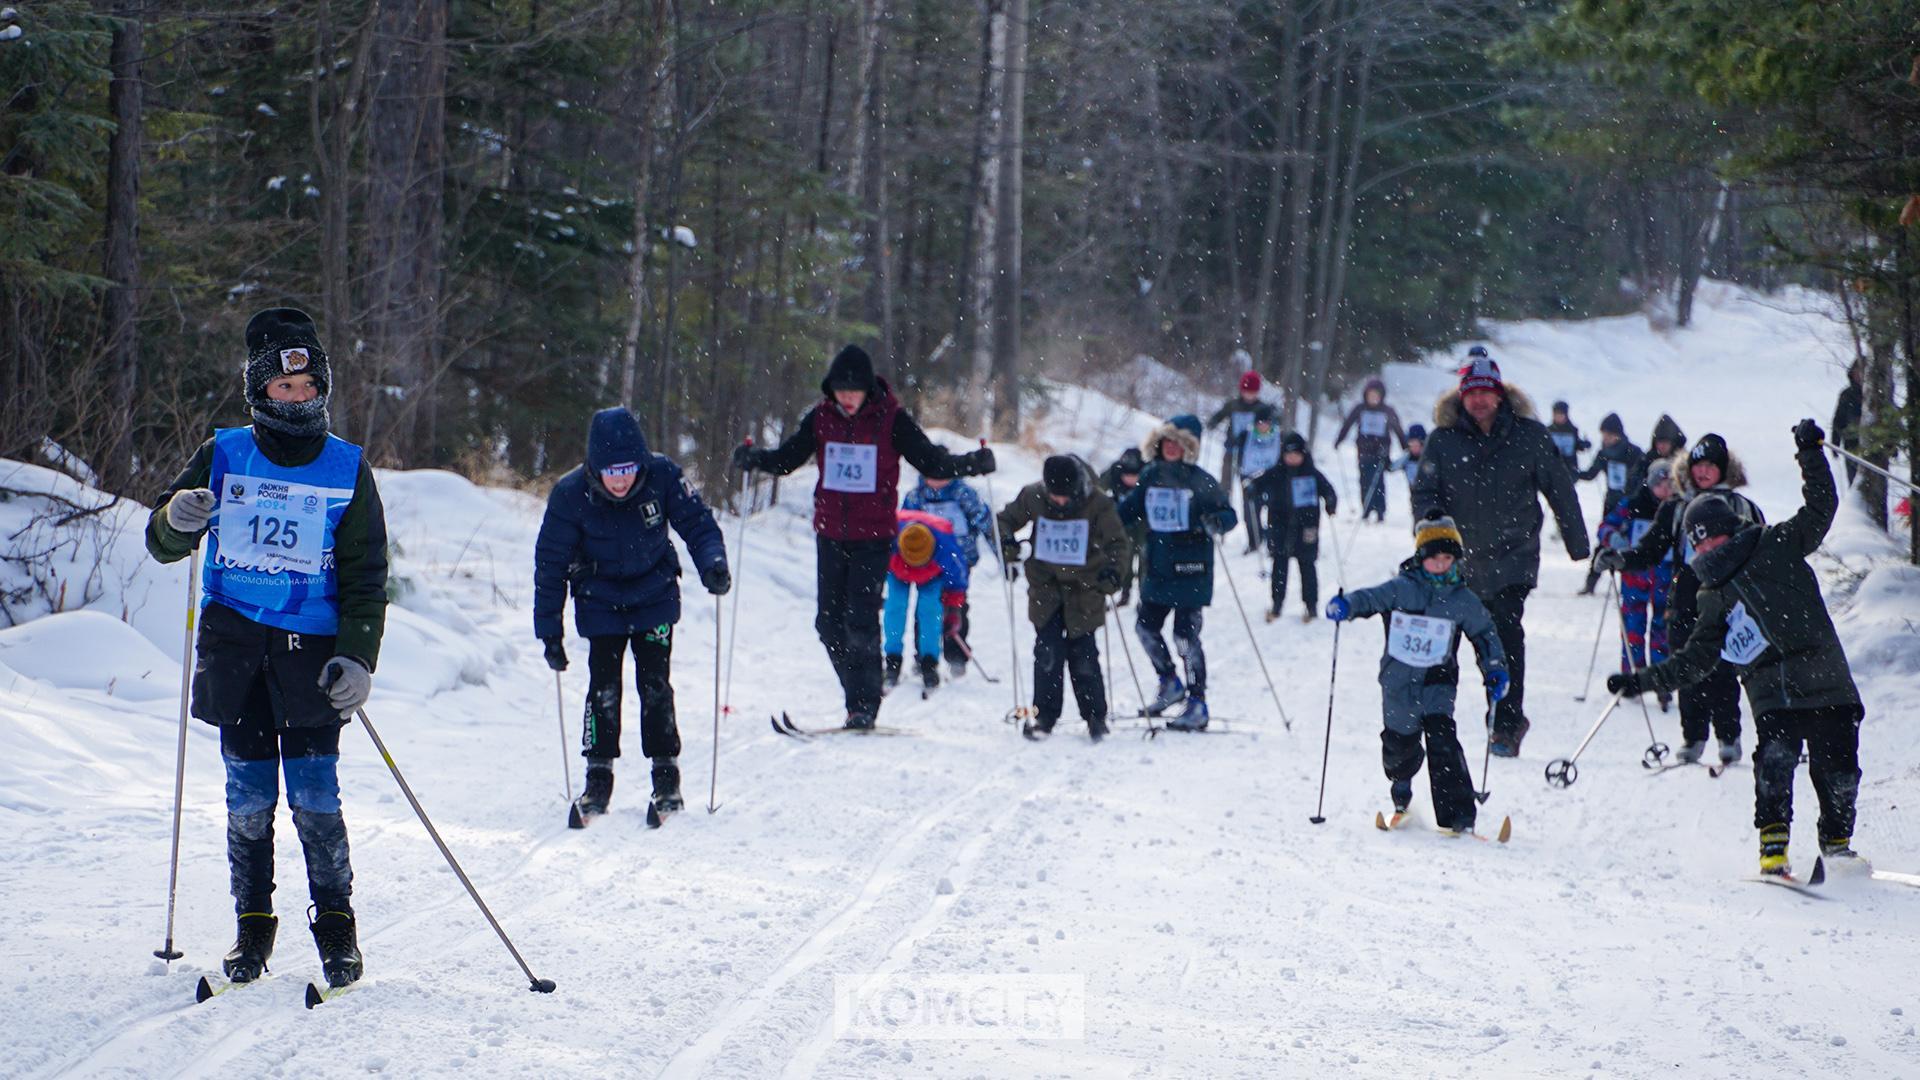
(967, 651)
(539, 985)
(1486, 762)
(1657, 751)
(1326, 748)
(560, 713)
(166, 951)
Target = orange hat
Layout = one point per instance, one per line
(916, 545)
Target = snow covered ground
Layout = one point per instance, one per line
(1214, 931)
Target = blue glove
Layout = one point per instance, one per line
(1339, 610)
(1497, 682)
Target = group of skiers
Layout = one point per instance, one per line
(295, 577)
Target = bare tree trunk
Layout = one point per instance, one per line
(1286, 111)
(982, 238)
(124, 101)
(656, 116)
(1300, 217)
(406, 160)
(333, 119)
(1336, 245)
(1006, 391)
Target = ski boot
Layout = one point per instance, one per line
(1505, 742)
(252, 945)
(599, 787)
(1097, 728)
(1037, 729)
(859, 721)
(1838, 848)
(338, 940)
(1172, 692)
(1193, 717)
(1402, 792)
(1272, 614)
(1773, 851)
(1308, 616)
(956, 668)
(929, 672)
(1691, 753)
(1729, 751)
(666, 786)
(1666, 701)
(893, 670)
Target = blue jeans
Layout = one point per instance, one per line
(926, 618)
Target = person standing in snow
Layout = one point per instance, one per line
(1566, 437)
(1408, 464)
(1713, 703)
(1428, 609)
(1761, 610)
(1667, 441)
(1487, 463)
(926, 557)
(1292, 492)
(1240, 413)
(1379, 426)
(1184, 508)
(1260, 452)
(1847, 412)
(293, 608)
(856, 434)
(1120, 478)
(1644, 593)
(961, 506)
(604, 538)
(1078, 548)
(1624, 464)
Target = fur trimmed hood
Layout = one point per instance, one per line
(1446, 411)
(1683, 476)
(1150, 449)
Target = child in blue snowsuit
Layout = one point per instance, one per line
(926, 556)
(1427, 608)
(1621, 530)
(956, 501)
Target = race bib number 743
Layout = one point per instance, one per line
(851, 467)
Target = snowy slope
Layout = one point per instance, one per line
(1218, 932)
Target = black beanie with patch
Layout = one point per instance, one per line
(1061, 475)
(283, 341)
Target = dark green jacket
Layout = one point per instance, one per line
(1052, 587)
(1764, 569)
(359, 544)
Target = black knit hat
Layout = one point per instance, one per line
(1293, 443)
(283, 341)
(1708, 516)
(1711, 447)
(851, 370)
(1610, 425)
(1061, 474)
(1131, 462)
(1561, 407)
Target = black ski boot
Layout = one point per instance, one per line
(599, 788)
(859, 721)
(666, 785)
(1097, 728)
(338, 939)
(252, 945)
(893, 670)
(929, 671)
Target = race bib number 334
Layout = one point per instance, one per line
(1418, 640)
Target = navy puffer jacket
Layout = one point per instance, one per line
(615, 554)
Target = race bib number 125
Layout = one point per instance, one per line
(271, 525)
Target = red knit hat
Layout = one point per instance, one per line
(1250, 382)
(1481, 373)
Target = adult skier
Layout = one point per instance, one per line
(293, 607)
(604, 538)
(856, 434)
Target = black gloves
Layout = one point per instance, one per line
(1808, 436)
(1009, 552)
(1333, 506)
(1625, 685)
(1108, 579)
(1215, 524)
(1609, 559)
(980, 462)
(556, 653)
(746, 458)
(716, 579)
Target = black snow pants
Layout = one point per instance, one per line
(1055, 656)
(1832, 738)
(652, 672)
(852, 575)
(1447, 775)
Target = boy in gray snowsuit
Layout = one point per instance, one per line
(1427, 608)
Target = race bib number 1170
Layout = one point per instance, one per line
(1063, 543)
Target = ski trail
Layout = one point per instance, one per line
(806, 1061)
(889, 868)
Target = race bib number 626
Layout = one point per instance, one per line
(1167, 509)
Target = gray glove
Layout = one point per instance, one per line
(347, 683)
(190, 510)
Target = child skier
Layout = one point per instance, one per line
(1260, 453)
(1566, 438)
(1713, 703)
(956, 501)
(1648, 587)
(1184, 508)
(1624, 464)
(604, 538)
(1408, 464)
(1120, 478)
(292, 612)
(1427, 609)
(1667, 440)
(1241, 414)
(1079, 547)
(1379, 426)
(1761, 610)
(1292, 493)
(926, 556)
